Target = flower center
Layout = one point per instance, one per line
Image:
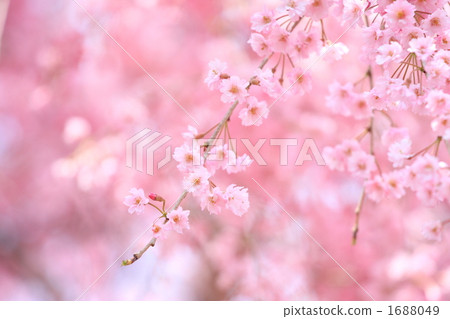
(435, 22)
(188, 158)
(234, 89)
(401, 15)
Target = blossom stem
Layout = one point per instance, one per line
(295, 24)
(284, 22)
(290, 60)
(425, 149)
(361, 135)
(161, 211)
(308, 25)
(376, 16)
(203, 134)
(357, 216)
(4, 8)
(140, 253)
(152, 242)
(324, 35)
(283, 16)
(282, 70)
(401, 66)
(446, 221)
(438, 142)
(387, 116)
(369, 130)
(274, 69)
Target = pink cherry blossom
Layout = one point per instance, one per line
(300, 81)
(263, 20)
(296, 8)
(214, 201)
(389, 53)
(254, 112)
(400, 14)
(303, 43)
(422, 47)
(279, 40)
(178, 220)
(318, 9)
(436, 23)
(267, 82)
(237, 199)
(259, 44)
(334, 158)
(191, 133)
(359, 107)
(197, 180)
(394, 134)
(340, 97)
(159, 229)
(349, 147)
(238, 164)
(375, 188)
(394, 183)
(399, 151)
(441, 124)
(218, 157)
(136, 201)
(438, 102)
(353, 10)
(362, 164)
(433, 231)
(187, 157)
(216, 69)
(233, 89)
(442, 41)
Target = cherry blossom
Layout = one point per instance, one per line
(422, 47)
(233, 89)
(214, 201)
(178, 219)
(197, 180)
(216, 73)
(259, 44)
(136, 201)
(399, 151)
(254, 112)
(237, 199)
(400, 14)
(432, 231)
(262, 21)
(388, 53)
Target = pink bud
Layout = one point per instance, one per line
(152, 196)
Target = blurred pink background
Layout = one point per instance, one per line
(69, 100)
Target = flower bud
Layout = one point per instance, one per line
(155, 197)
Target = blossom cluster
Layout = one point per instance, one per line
(407, 49)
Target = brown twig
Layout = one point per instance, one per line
(183, 195)
(358, 209)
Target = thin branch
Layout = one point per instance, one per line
(358, 209)
(183, 195)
